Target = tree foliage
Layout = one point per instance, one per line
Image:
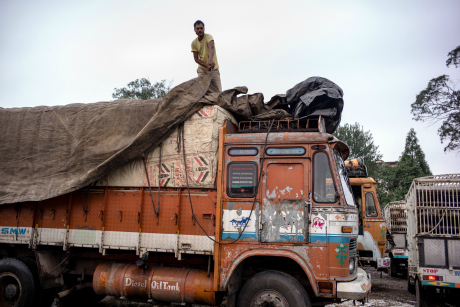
(142, 89)
(453, 57)
(440, 101)
(361, 144)
(394, 182)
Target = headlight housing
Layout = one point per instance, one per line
(352, 265)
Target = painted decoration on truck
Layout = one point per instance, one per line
(383, 230)
(240, 223)
(341, 253)
(318, 222)
(234, 219)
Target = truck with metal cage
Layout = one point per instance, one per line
(433, 235)
(396, 246)
(266, 215)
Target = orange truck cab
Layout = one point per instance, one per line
(372, 226)
(277, 222)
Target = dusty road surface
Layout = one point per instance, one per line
(386, 291)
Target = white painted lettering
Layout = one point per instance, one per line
(130, 283)
(164, 285)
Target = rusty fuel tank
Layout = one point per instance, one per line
(155, 282)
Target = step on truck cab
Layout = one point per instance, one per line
(277, 223)
(396, 246)
(433, 235)
(372, 226)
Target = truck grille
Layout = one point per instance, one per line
(352, 247)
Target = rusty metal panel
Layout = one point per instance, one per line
(284, 214)
(285, 181)
(284, 220)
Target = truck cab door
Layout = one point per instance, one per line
(284, 209)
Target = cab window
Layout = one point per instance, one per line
(323, 184)
(242, 179)
(371, 210)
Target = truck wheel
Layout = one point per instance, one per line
(273, 288)
(419, 296)
(17, 284)
(410, 285)
(393, 267)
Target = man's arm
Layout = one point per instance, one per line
(212, 51)
(198, 61)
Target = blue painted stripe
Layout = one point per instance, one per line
(227, 235)
(331, 238)
(283, 237)
(402, 257)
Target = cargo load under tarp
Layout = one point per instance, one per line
(201, 141)
(50, 151)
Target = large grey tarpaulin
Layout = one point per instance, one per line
(50, 151)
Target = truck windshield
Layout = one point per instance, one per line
(344, 178)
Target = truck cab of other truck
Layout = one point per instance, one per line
(372, 226)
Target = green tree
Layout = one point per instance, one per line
(142, 89)
(440, 101)
(361, 144)
(394, 182)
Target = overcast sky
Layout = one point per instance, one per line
(381, 53)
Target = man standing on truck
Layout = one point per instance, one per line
(204, 53)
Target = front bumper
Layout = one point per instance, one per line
(356, 289)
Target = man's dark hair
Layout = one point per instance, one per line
(198, 22)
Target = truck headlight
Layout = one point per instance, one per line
(352, 265)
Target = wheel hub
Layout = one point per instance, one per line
(269, 298)
(11, 290)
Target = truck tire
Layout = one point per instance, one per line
(18, 287)
(410, 286)
(394, 267)
(273, 288)
(419, 295)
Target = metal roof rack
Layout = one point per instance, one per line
(313, 124)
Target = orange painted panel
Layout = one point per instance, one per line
(167, 220)
(122, 210)
(51, 212)
(94, 206)
(285, 181)
(8, 215)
